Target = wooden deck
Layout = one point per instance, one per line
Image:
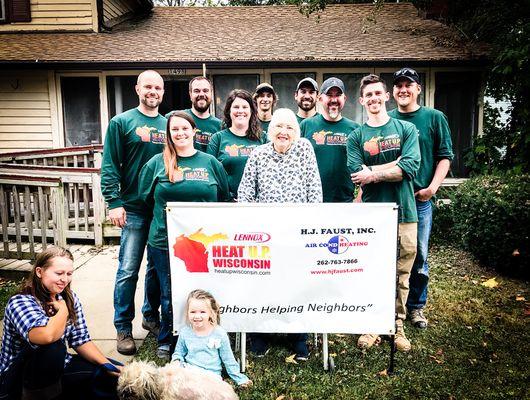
(82, 254)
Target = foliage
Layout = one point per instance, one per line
(487, 155)
(475, 348)
(505, 25)
(7, 289)
(489, 216)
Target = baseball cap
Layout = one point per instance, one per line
(310, 81)
(408, 74)
(264, 87)
(332, 82)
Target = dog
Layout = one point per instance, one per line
(142, 380)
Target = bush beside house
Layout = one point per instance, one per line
(490, 217)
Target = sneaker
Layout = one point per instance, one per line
(258, 346)
(151, 326)
(301, 350)
(163, 352)
(418, 319)
(125, 343)
(368, 340)
(401, 341)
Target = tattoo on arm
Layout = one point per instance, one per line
(393, 174)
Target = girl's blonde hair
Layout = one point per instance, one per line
(199, 294)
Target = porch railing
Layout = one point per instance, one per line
(45, 203)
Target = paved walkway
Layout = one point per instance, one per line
(93, 282)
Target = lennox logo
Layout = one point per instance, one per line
(256, 237)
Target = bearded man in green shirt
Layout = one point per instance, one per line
(384, 157)
(436, 155)
(200, 91)
(328, 133)
(132, 138)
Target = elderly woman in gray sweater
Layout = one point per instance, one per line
(285, 169)
(282, 171)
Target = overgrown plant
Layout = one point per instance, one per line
(490, 217)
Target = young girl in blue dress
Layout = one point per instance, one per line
(202, 343)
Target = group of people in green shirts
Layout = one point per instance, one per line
(400, 156)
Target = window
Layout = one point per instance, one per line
(352, 109)
(224, 84)
(121, 94)
(456, 95)
(285, 85)
(81, 110)
(15, 11)
(2, 11)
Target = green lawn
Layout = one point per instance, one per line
(476, 347)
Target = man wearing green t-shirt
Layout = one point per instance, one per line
(200, 90)
(328, 132)
(265, 98)
(436, 155)
(384, 157)
(132, 138)
(306, 98)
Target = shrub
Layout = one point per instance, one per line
(490, 217)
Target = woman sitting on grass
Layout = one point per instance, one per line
(40, 321)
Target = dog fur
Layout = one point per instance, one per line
(141, 380)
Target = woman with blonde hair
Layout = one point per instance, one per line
(180, 173)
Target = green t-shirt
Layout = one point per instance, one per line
(300, 119)
(202, 179)
(435, 141)
(264, 130)
(131, 140)
(204, 129)
(233, 152)
(381, 145)
(329, 141)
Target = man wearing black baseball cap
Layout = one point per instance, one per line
(436, 155)
(328, 132)
(265, 98)
(306, 98)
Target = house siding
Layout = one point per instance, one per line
(115, 9)
(25, 112)
(57, 15)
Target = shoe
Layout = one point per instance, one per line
(125, 343)
(368, 340)
(151, 326)
(261, 353)
(163, 352)
(301, 351)
(418, 319)
(258, 345)
(401, 341)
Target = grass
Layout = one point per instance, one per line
(476, 347)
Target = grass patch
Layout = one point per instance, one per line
(7, 289)
(476, 347)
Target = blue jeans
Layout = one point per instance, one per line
(132, 246)
(419, 276)
(159, 258)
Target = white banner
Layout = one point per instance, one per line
(327, 268)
